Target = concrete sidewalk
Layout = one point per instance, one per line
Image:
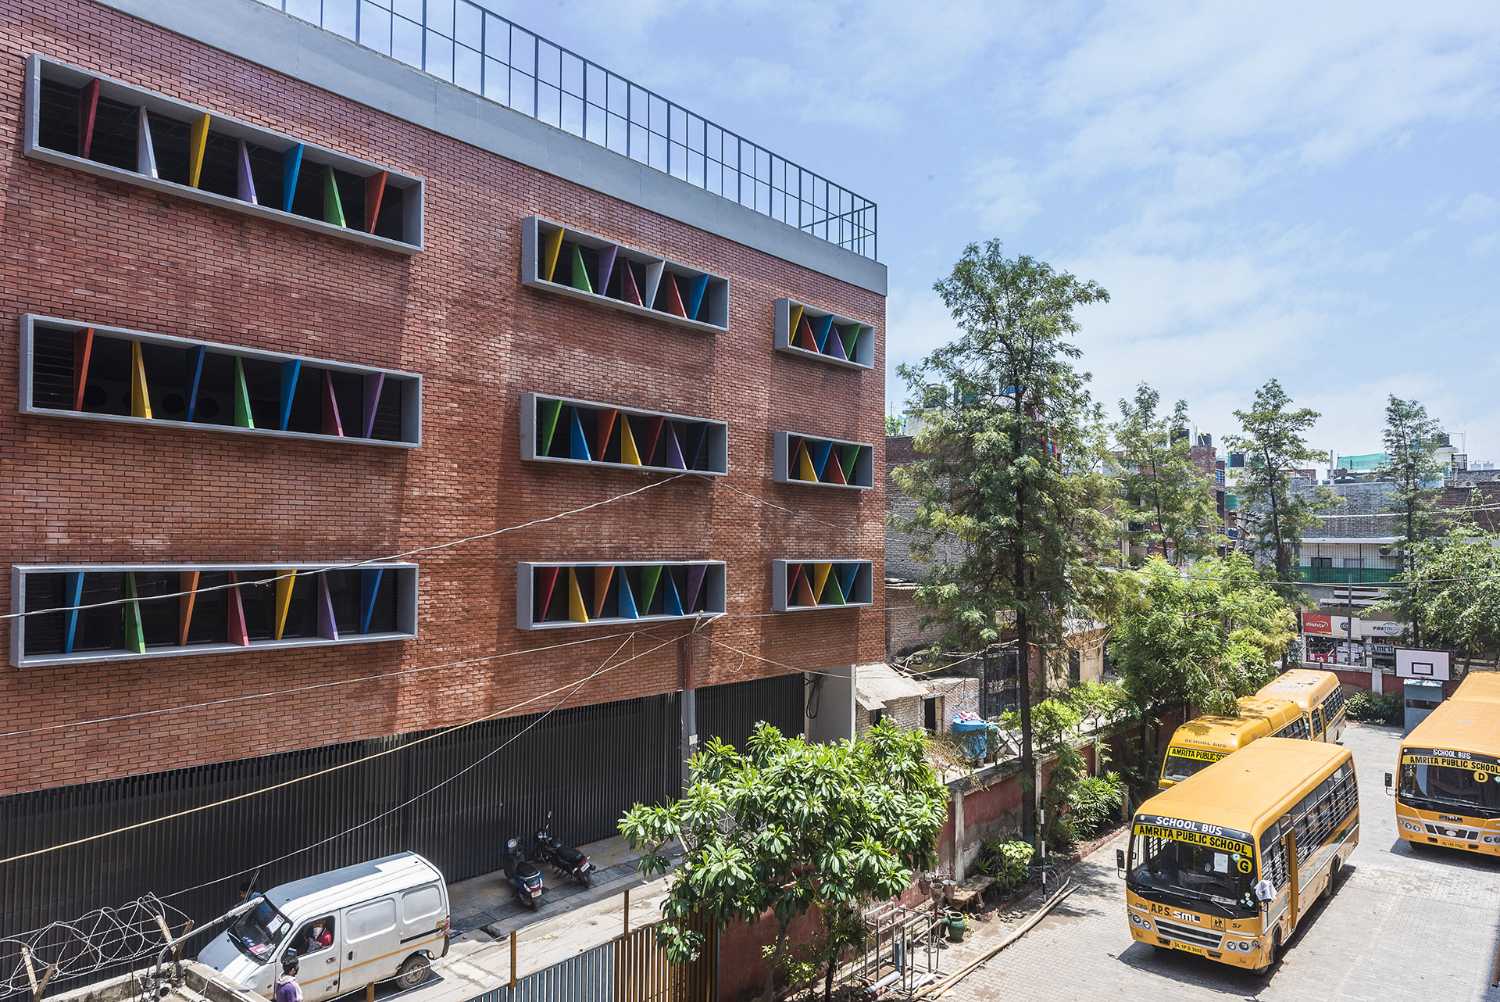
(569, 921)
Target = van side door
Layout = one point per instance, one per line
(424, 919)
(371, 943)
(317, 946)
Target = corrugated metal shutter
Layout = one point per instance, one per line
(730, 712)
(585, 765)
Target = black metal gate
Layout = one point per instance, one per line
(585, 765)
(730, 712)
(998, 682)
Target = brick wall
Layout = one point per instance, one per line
(89, 249)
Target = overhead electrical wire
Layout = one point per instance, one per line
(447, 544)
(249, 794)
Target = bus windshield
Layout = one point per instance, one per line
(258, 932)
(1199, 876)
(1178, 767)
(1446, 788)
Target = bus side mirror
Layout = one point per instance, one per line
(1388, 784)
(1120, 862)
(1265, 892)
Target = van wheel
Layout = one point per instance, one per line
(413, 971)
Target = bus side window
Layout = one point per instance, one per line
(1273, 856)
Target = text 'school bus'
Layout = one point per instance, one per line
(1318, 693)
(1449, 768)
(1204, 740)
(1226, 863)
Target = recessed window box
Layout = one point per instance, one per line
(550, 596)
(573, 263)
(90, 122)
(823, 462)
(169, 610)
(805, 585)
(827, 337)
(102, 373)
(562, 430)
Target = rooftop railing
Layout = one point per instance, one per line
(474, 48)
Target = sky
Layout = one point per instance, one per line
(1305, 191)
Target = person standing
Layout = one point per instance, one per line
(287, 989)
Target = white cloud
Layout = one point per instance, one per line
(916, 322)
(1484, 246)
(1002, 195)
(1476, 207)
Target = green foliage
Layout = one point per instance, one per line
(1455, 590)
(1008, 861)
(1094, 805)
(894, 425)
(1009, 455)
(1375, 708)
(1099, 703)
(1411, 436)
(1009, 463)
(788, 826)
(1205, 636)
(1273, 438)
(1161, 489)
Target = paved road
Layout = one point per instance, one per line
(1423, 926)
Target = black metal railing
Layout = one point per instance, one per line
(472, 47)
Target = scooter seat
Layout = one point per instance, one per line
(570, 856)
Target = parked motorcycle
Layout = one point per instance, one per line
(524, 875)
(564, 858)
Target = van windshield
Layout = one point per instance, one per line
(258, 932)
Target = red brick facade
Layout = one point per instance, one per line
(92, 250)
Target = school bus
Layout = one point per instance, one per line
(1204, 740)
(1449, 768)
(1227, 863)
(1286, 718)
(1318, 693)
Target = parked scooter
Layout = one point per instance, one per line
(564, 858)
(524, 875)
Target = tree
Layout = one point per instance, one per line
(1455, 584)
(790, 826)
(1009, 464)
(1272, 438)
(1204, 636)
(1411, 438)
(894, 425)
(1160, 486)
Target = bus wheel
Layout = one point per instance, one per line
(1272, 955)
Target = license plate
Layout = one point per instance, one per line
(1190, 948)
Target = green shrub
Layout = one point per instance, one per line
(1008, 861)
(1094, 805)
(1375, 708)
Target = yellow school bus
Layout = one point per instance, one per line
(1318, 693)
(1204, 740)
(1286, 718)
(1449, 768)
(1227, 863)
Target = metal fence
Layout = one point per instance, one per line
(463, 42)
(588, 977)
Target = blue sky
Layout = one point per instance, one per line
(1303, 190)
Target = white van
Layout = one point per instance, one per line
(352, 927)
